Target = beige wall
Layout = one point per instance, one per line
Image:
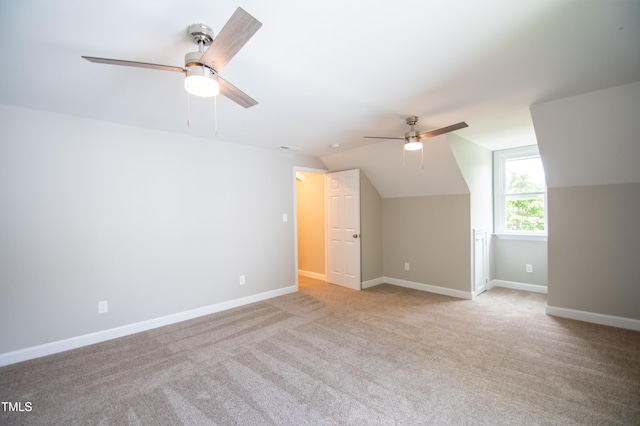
(154, 222)
(511, 256)
(594, 249)
(432, 234)
(371, 230)
(590, 150)
(310, 196)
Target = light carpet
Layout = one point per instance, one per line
(328, 356)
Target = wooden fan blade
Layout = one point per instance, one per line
(133, 64)
(235, 33)
(443, 130)
(235, 94)
(379, 137)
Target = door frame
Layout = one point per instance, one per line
(295, 218)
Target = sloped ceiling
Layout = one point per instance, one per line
(323, 72)
(396, 175)
(591, 139)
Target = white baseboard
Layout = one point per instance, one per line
(518, 286)
(372, 283)
(125, 330)
(430, 288)
(602, 319)
(315, 275)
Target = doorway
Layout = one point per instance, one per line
(310, 224)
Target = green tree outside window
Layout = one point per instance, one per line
(524, 208)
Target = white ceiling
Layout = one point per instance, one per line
(324, 72)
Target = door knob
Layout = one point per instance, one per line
(355, 235)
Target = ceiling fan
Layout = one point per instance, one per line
(201, 68)
(413, 138)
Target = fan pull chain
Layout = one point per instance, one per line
(188, 111)
(422, 154)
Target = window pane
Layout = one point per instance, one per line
(524, 213)
(524, 175)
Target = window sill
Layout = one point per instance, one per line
(525, 237)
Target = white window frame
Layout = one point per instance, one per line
(499, 160)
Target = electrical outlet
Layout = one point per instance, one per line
(529, 268)
(103, 307)
(285, 217)
(242, 280)
(406, 266)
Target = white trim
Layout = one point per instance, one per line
(534, 288)
(125, 330)
(310, 170)
(475, 234)
(592, 317)
(372, 283)
(310, 274)
(430, 288)
(529, 237)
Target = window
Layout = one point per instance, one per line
(520, 192)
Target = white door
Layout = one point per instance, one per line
(343, 251)
(480, 261)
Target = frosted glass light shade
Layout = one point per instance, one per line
(201, 81)
(412, 145)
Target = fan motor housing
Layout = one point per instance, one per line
(193, 59)
(200, 33)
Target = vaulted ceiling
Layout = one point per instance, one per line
(324, 72)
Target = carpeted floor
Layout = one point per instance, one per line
(328, 355)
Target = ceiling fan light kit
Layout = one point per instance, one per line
(201, 81)
(412, 144)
